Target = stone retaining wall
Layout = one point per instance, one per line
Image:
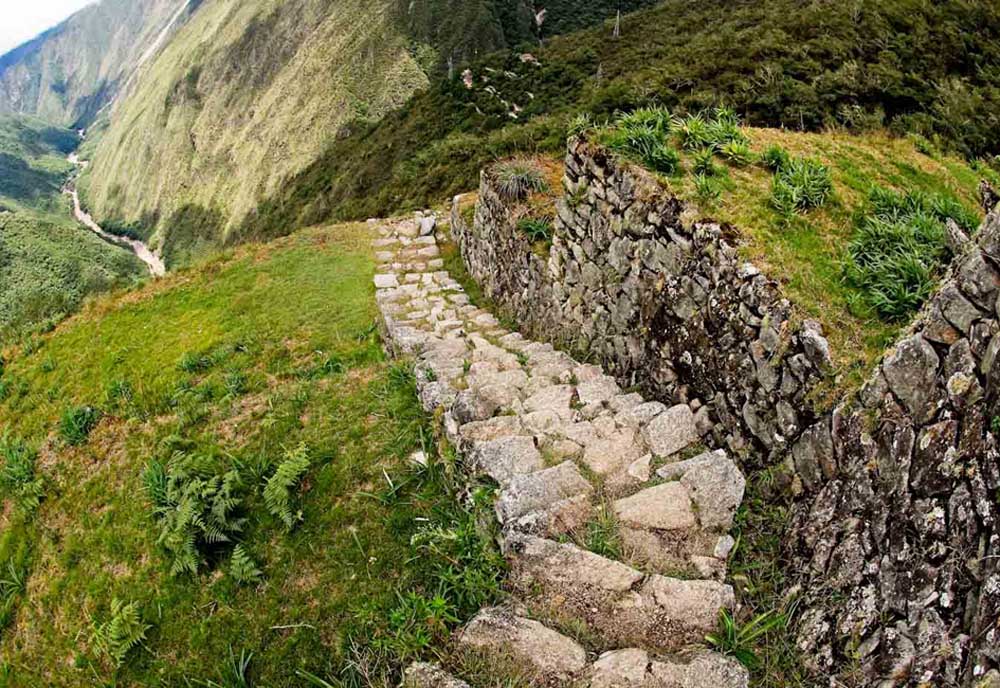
(666, 306)
(896, 533)
(894, 537)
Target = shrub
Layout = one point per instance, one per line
(900, 247)
(197, 505)
(122, 632)
(280, 486)
(536, 229)
(517, 179)
(800, 185)
(77, 423)
(17, 474)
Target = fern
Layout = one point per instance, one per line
(279, 487)
(197, 507)
(117, 636)
(242, 567)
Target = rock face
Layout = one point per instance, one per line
(667, 307)
(898, 513)
(894, 536)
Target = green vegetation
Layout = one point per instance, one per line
(519, 178)
(800, 184)
(765, 60)
(536, 229)
(161, 552)
(900, 248)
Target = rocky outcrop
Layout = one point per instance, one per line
(564, 443)
(667, 306)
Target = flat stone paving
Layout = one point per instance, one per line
(564, 442)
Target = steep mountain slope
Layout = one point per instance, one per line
(245, 94)
(48, 263)
(249, 93)
(907, 65)
(69, 72)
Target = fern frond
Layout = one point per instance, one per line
(280, 486)
(242, 567)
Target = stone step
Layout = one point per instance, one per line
(634, 668)
(549, 655)
(621, 605)
(549, 502)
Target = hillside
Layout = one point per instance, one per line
(783, 63)
(218, 365)
(67, 74)
(48, 263)
(248, 94)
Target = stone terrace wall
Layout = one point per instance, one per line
(667, 307)
(899, 549)
(894, 539)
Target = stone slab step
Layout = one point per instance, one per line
(549, 654)
(620, 604)
(549, 502)
(634, 668)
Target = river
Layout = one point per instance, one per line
(142, 252)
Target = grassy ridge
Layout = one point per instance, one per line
(903, 64)
(221, 363)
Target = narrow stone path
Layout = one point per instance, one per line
(569, 449)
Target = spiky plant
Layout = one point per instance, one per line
(280, 487)
(77, 423)
(519, 178)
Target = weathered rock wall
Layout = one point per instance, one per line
(897, 528)
(668, 307)
(894, 535)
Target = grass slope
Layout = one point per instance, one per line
(248, 357)
(905, 64)
(48, 263)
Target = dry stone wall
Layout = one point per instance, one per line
(894, 537)
(667, 306)
(897, 525)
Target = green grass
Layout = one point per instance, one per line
(345, 586)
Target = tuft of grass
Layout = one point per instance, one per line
(703, 163)
(801, 184)
(738, 639)
(519, 178)
(77, 423)
(706, 188)
(737, 152)
(18, 480)
(601, 535)
(899, 249)
(537, 229)
(775, 158)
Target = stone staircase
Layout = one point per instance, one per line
(564, 444)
